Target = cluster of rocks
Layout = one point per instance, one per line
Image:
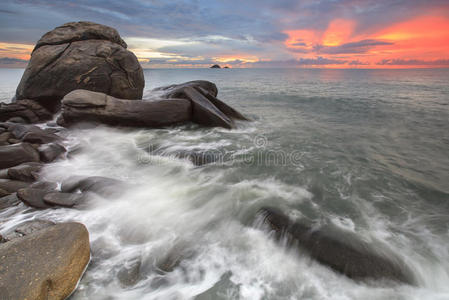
(80, 72)
(83, 73)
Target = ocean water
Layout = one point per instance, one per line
(363, 150)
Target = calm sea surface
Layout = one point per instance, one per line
(363, 150)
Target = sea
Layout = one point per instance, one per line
(366, 151)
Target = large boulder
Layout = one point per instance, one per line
(87, 106)
(80, 55)
(341, 251)
(46, 264)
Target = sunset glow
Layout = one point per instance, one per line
(310, 34)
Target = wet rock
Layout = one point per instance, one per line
(80, 55)
(63, 254)
(3, 193)
(129, 273)
(215, 67)
(24, 111)
(50, 152)
(19, 120)
(34, 197)
(45, 185)
(13, 155)
(341, 251)
(204, 112)
(64, 199)
(31, 133)
(223, 107)
(12, 186)
(100, 185)
(177, 90)
(25, 172)
(26, 228)
(40, 138)
(9, 200)
(86, 106)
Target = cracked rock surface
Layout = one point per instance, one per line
(80, 55)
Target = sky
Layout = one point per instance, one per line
(246, 33)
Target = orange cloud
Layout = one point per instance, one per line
(338, 32)
(422, 41)
(13, 50)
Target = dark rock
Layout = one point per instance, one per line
(129, 273)
(100, 185)
(80, 55)
(26, 228)
(28, 111)
(31, 133)
(25, 172)
(5, 136)
(19, 120)
(13, 141)
(34, 196)
(46, 264)
(63, 199)
(13, 155)
(223, 107)
(4, 193)
(8, 201)
(49, 152)
(177, 90)
(87, 106)
(12, 186)
(215, 67)
(40, 138)
(341, 251)
(45, 185)
(204, 112)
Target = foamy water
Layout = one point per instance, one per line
(329, 147)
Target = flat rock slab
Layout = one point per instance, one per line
(85, 106)
(25, 172)
(33, 197)
(64, 199)
(46, 264)
(13, 155)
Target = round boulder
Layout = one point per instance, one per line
(80, 55)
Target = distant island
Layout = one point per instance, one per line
(218, 67)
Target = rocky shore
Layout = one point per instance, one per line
(81, 74)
